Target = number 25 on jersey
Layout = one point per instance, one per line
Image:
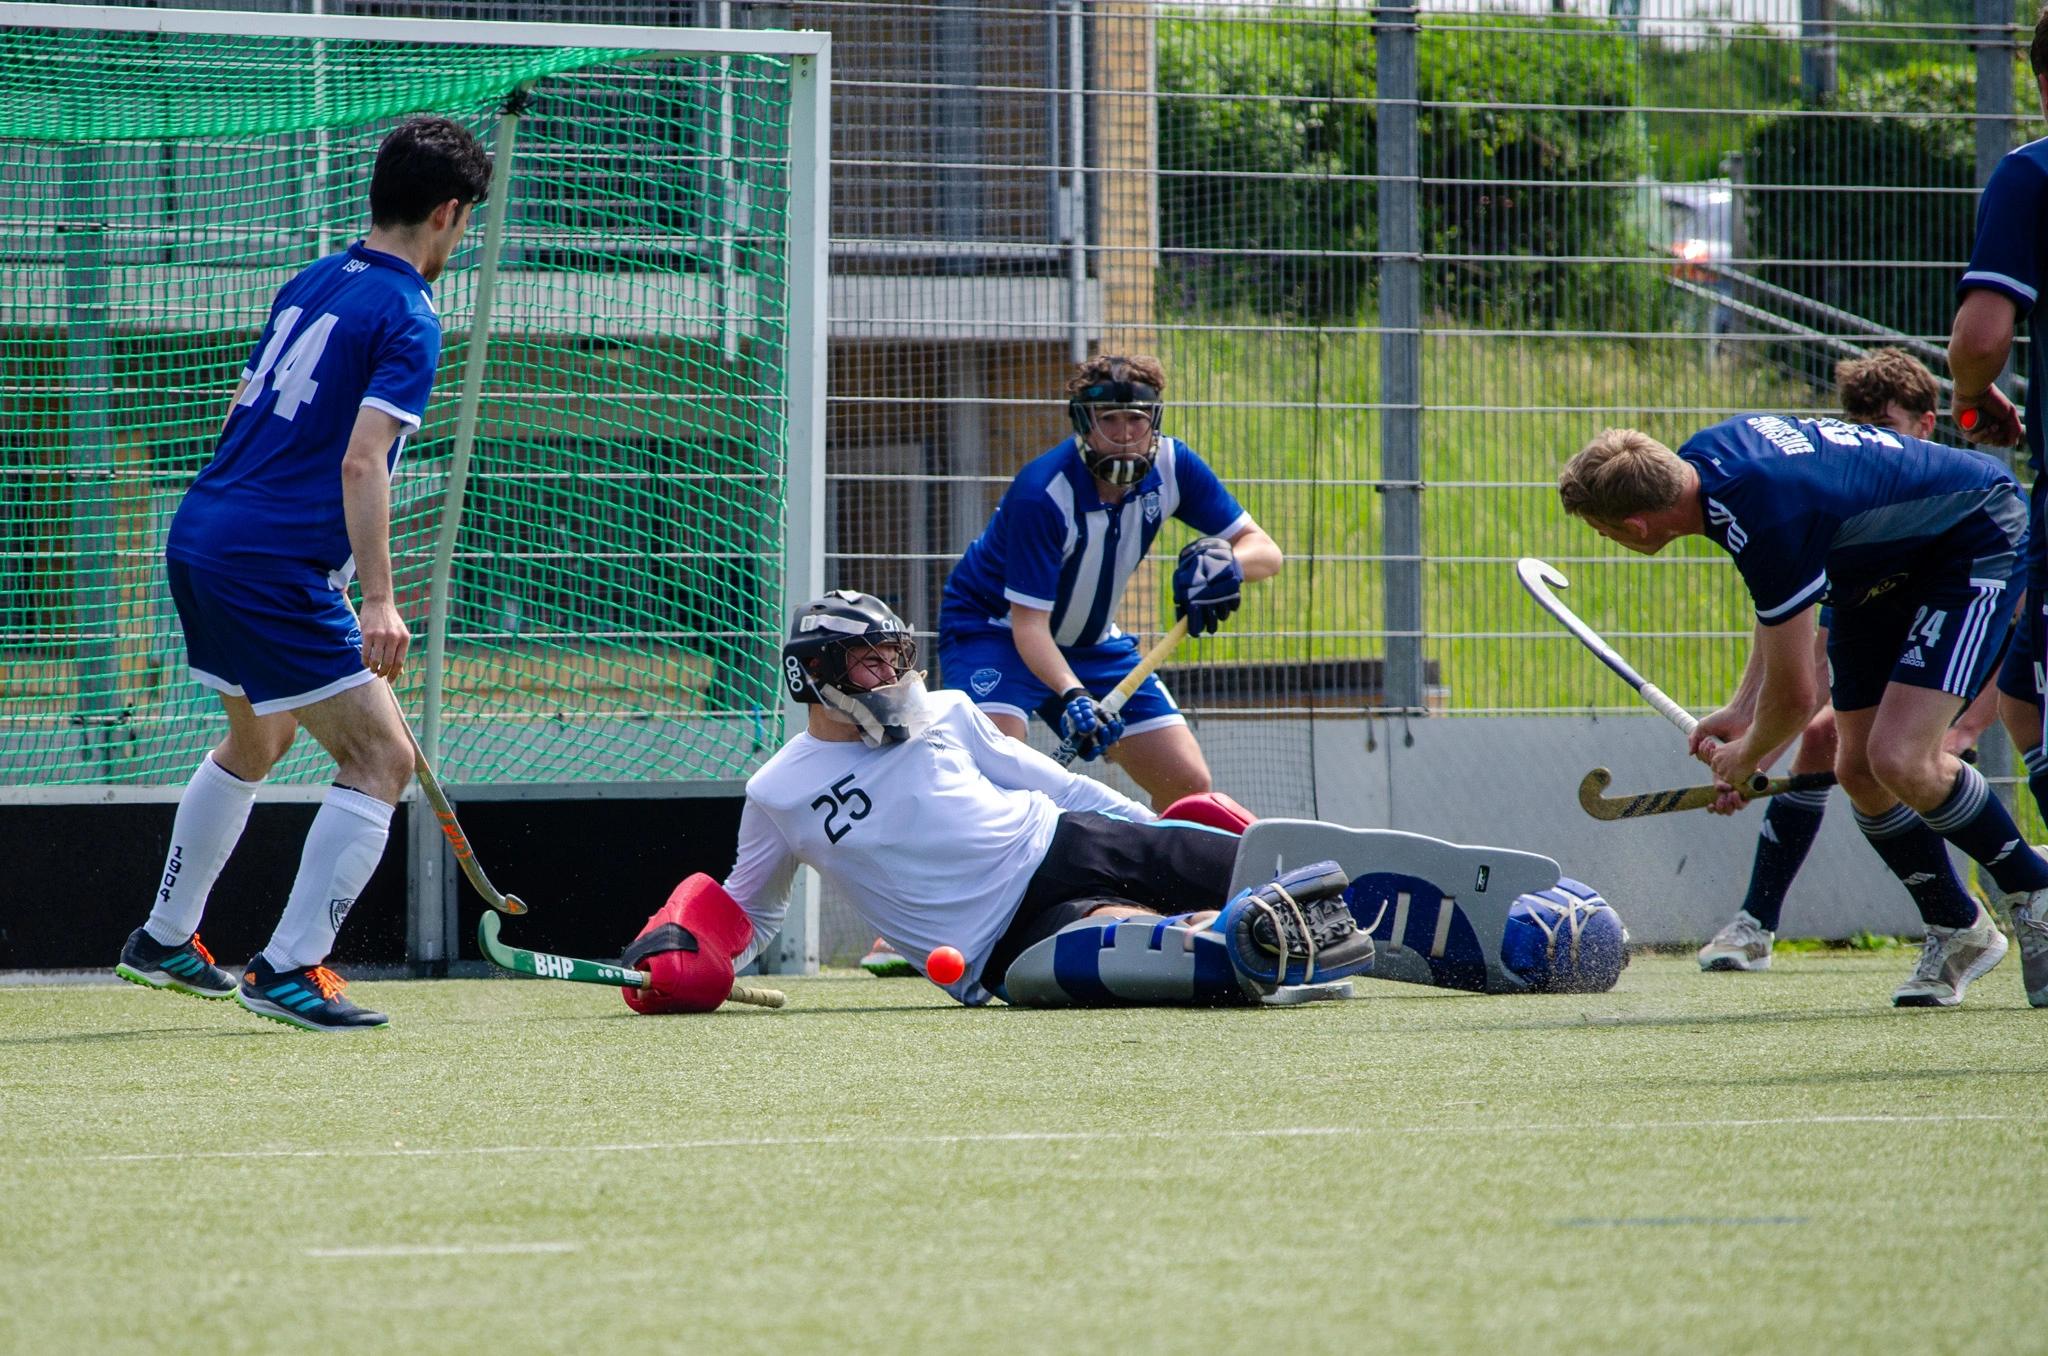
(294, 372)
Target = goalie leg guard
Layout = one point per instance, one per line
(1293, 931)
(687, 949)
(1118, 962)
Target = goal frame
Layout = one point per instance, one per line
(432, 938)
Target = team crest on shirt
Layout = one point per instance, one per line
(984, 681)
(1152, 506)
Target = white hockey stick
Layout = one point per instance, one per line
(1540, 578)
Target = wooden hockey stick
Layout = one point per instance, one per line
(1691, 797)
(451, 828)
(1681, 798)
(546, 965)
(1539, 578)
(1122, 692)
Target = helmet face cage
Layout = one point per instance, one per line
(826, 633)
(1118, 468)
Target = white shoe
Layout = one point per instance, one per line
(1744, 944)
(1951, 959)
(2030, 925)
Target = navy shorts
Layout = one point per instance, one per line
(983, 662)
(281, 643)
(1947, 632)
(2021, 675)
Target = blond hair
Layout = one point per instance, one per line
(1619, 474)
(1867, 386)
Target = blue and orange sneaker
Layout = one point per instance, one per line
(187, 968)
(308, 998)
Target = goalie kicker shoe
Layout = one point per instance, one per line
(1273, 931)
(1950, 960)
(1744, 944)
(186, 968)
(309, 998)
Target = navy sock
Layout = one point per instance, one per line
(2036, 760)
(1977, 822)
(1918, 856)
(1791, 821)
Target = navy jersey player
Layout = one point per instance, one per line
(1887, 388)
(1917, 547)
(295, 502)
(1028, 622)
(2003, 285)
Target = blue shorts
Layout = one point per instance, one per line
(2021, 674)
(1947, 632)
(281, 643)
(983, 662)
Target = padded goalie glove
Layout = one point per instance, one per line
(1083, 721)
(1208, 584)
(687, 949)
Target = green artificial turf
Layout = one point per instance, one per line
(1692, 1163)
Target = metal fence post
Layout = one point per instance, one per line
(1400, 240)
(1994, 139)
(89, 382)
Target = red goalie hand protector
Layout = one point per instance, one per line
(1213, 809)
(687, 949)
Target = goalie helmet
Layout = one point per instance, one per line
(1566, 939)
(1115, 386)
(816, 660)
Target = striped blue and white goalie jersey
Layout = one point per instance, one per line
(355, 329)
(933, 840)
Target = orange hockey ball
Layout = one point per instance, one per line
(945, 965)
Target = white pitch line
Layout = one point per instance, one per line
(1049, 1137)
(442, 1250)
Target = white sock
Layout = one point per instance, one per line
(342, 849)
(210, 819)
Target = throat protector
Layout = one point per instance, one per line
(894, 714)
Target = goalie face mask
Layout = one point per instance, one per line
(893, 714)
(1115, 463)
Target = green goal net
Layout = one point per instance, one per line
(592, 530)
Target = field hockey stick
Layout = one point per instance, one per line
(1692, 797)
(1070, 748)
(451, 828)
(1539, 578)
(1684, 797)
(546, 965)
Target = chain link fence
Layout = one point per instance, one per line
(1399, 264)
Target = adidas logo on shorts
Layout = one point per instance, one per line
(1914, 659)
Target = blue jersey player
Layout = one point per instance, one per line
(2008, 270)
(1028, 622)
(1917, 547)
(296, 501)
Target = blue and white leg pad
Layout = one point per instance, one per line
(1118, 962)
(1437, 911)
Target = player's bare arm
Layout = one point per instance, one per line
(1258, 555)
(1786, 698)
(366, 500)
(1978, 344)
(1032, 629)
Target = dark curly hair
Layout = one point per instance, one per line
(424, 162)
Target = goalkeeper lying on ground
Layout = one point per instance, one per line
(1055, 888)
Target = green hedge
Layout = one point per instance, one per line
(1267, 170)
(1824, 179)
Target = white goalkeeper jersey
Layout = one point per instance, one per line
(933, 840)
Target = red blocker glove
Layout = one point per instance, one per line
(687, 949)
(1213, 809)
